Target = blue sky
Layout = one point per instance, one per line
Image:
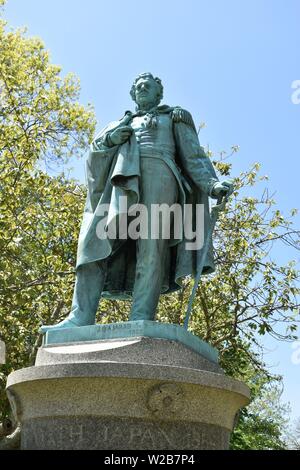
(230, 63)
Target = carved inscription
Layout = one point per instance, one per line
(166, 398)
(123, 329)
(93, 433)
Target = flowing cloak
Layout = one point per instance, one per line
(114, 172)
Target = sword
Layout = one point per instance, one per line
(220, 206)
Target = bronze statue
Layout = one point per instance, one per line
(149, 157)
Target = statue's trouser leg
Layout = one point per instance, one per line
(158, 186)
(89, 285)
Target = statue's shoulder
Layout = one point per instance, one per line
(182, 115)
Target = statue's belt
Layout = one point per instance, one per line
(156, 153)
(167, 157)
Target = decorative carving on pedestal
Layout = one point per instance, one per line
(165, 399)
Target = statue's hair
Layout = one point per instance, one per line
(148, 75)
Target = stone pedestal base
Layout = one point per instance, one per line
(137, 393)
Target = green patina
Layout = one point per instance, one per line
(131, 329)
(151, 156)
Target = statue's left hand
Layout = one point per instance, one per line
(224, 188)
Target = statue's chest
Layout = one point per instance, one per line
(153, 130)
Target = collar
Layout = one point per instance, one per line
(163, 109)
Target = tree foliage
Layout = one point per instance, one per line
(263, 424)
(40, 120)
(293, 436)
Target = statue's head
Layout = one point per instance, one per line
(146, 90)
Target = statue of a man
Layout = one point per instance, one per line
(151, 156)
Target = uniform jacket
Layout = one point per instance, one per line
(115, 171)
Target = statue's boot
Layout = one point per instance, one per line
(87, 292)
(67, 323)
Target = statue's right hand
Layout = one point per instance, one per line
(120, 135)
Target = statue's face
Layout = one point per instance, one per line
(146, 92)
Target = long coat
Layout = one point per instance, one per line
(113, 172)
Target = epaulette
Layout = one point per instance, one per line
(181, 115)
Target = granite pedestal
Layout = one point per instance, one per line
(135, 385)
